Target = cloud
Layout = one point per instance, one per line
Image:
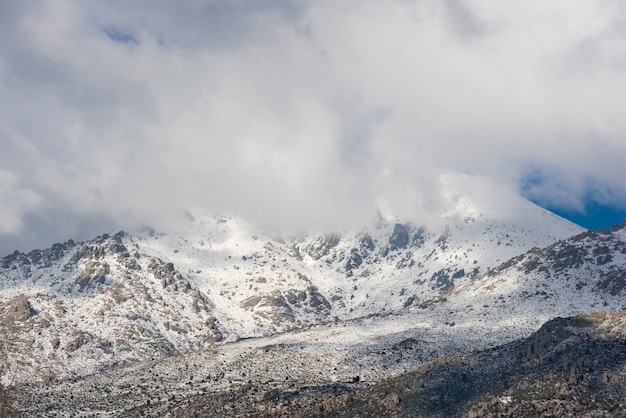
(14, 203)
(302, 114)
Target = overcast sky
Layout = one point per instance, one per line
(304, 113)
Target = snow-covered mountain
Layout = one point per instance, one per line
(582, 274)
(119, 297)
(255, 314)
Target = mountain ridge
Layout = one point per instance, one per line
(158, 294)
(225, 305)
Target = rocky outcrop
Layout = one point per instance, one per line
(399, 238)
(17, 309)
(283, 307)
(366, 243)
(354, 260)
(93, 273)
(444, 278)
(42, 258)
(170, 278)
(322, 246)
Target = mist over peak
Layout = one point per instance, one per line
(308, 115)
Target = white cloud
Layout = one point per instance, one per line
(14, 203)
(294, 111)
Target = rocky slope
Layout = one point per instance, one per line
(581, 274)
(569, 367)
(573, 366)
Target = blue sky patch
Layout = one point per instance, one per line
(594, 214)
(118, 36)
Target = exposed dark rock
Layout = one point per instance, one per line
(567, 256)
(442, 241)
(399, 238)
(214, 334)
(458, 274)
(601, 250)
(355, 260)
(273, 306)
(119, 293)
(200, 302)
(120, 249)
(317, 300)
(169, 276)
(442, 280)
(604, 259)
(10, 259)
(86, 251)
(410, 301)
(613, 281)
(419, 237)
(46, 258)
(406, 261)
(77, 340)
(366, 242)
(55, 342)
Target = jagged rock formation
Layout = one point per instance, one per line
(280, 307)
(97, 305)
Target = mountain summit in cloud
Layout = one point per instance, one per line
(298, 111)
(224, 311)
(218, 279)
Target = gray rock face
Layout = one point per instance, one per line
(442, 280)
(169, 277)
(612, 281)
(355, 260)
(37, 258)
(590, 250)
(366, 242)
(399, 239)
(419, 237)
(405, 262)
